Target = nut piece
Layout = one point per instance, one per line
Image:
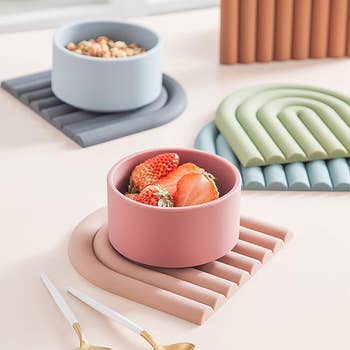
(105, 47)
(129, 52)
(102, 39)
(94, 50)
(71, 47)
(120, 45)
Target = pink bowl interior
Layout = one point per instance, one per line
(227, 178)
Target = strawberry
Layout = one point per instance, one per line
(170, 181)
(195, 189)
(151, 170)
(133, 196)
(155, 195)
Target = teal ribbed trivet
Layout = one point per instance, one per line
(317, 175)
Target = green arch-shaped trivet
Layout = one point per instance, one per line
(284, 123)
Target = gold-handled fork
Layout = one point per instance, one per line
(69, 315)
(127, 323)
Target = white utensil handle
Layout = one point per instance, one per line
(106, 311)
(57, 297)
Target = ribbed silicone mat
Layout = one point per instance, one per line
(192, 294)
(284, 123)
(90, 128)
(316, 175)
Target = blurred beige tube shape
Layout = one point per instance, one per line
(301, 29)
(247, 30)
(229, 29)
(265, 30)
(319, 28)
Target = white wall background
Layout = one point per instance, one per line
(20, 15)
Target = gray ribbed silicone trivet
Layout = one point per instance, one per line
(90, 128)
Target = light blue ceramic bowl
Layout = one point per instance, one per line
(106, 84)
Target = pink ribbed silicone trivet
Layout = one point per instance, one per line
(192, 294)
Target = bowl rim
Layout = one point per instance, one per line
(236, 187)
(156, 47)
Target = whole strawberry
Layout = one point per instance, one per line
(150, 171)
(154, 195)
(133, 196)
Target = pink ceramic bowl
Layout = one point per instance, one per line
(174, 237)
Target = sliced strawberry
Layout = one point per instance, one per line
(170, 181)
(195, 189)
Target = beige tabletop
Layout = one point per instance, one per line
(299, 300)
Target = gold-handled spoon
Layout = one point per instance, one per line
(127, 323)
(69, 315)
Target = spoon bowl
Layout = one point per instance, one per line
(156, 346)
(84, 344)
